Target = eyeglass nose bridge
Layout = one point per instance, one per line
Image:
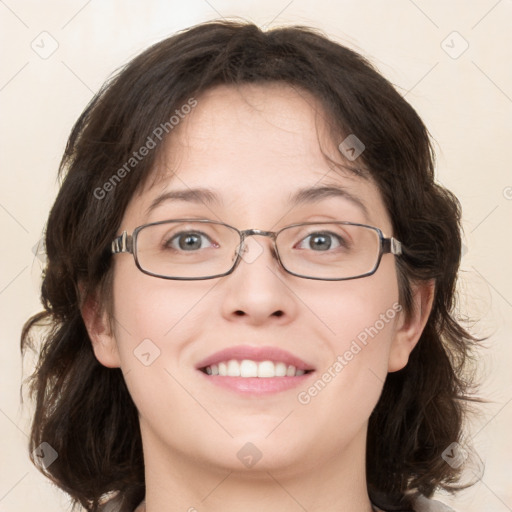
(242, 248)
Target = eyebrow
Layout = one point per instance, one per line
(301, 196)
(191, 195)
(316, 194)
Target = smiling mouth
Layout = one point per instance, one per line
(248, 368)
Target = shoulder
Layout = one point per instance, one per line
(423, 504)
(115, 505)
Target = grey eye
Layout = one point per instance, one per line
(187, 241)
(321, 241)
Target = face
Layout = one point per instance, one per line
(254, 148)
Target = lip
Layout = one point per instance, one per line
(256, 386)
(259, 354)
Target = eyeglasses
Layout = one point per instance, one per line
(191, 249)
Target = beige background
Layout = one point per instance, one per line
(465, 101)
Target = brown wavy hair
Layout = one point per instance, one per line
(83, 409)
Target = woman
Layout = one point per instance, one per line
(250, 288)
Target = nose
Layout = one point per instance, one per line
(258, 291)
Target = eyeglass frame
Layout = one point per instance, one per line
(126, 243)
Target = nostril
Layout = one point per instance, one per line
(278, 313)
(239, 313)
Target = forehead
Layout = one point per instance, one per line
(273, 124)
(256, 147)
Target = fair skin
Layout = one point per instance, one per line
(254, 146)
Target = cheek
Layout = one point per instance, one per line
(363, 309)
(146, 307)
(361, 316)
(154, 319)
(347, 389)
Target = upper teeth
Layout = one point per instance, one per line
(248, 368)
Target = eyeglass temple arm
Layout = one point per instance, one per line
(122, 243)
(391, 245)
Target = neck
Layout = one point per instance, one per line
(176, 482)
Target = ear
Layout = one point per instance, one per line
(98, 326)
(411, 326)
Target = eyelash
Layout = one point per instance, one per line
(168, 242)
